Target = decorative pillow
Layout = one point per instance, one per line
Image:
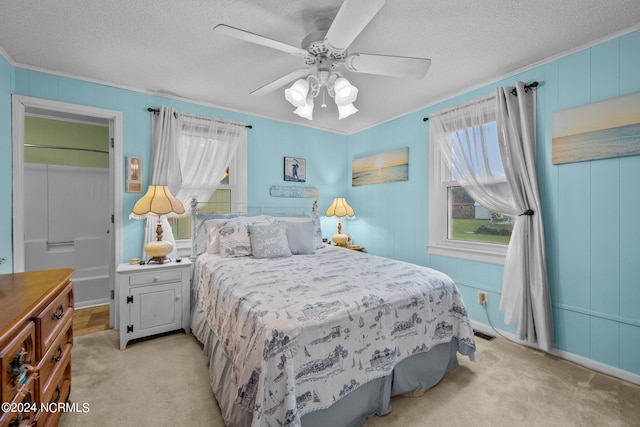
(300, 237)
(317, 227)
(234, 240)
(269, 241)
(213, 239)
(212, 225)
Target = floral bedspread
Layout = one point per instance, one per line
(305, 330)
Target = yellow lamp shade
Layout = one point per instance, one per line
(340, 208)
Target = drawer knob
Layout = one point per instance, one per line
(58, 356)
(155, 279)
(59, 313)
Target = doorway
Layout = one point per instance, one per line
(62, 186)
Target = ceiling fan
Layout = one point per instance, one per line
(324, 51)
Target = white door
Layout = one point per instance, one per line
(67, 214)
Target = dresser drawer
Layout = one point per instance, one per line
(57, 392)
(23, 408)
(52, 319)
(153, 277)
(14, 356)
(54, 357)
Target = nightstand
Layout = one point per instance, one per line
(153, 298)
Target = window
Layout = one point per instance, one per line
(459, 225)
(232, 188)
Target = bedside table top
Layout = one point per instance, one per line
(128, 268)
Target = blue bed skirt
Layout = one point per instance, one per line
(420, 371)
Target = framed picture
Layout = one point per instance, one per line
(602, 130)
(380, 168)
(295, 169)
(134, 174)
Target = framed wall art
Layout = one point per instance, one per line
(602, 130)
(134, 174)
(295, 169)
(380, 168)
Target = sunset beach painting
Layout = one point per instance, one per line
(390, 166)
(601, 130)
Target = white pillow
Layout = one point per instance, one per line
(269, 241)
(300, 237)
(234, 240)
(212, 225)
(317, 227)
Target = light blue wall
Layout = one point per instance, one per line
(268, 143)
(590, 211)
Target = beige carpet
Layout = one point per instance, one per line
(164, 382)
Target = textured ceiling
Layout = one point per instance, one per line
(166, 46)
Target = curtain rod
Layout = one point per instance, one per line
(513, 92)
(53, 147)
(157, 110)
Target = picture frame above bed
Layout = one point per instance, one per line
(295, 169)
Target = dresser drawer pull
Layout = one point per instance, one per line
(155, 279)
(58, 356)
(59, 315)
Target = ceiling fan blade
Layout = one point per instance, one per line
(278, 83)
(351, 19)
(257, 39)
(394, 66)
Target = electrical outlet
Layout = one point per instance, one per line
(483, 298)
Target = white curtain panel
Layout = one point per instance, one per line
(502, 178)
(164, 169)
(165, 160)
(206, 149)
(525, 289)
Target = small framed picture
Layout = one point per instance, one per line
(295, 169)
(134, 174)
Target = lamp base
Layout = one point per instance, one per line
(340, 239)
(158, 251)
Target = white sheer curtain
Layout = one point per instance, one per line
(502, 178)
(525, 288)
(164, 167)
(466, 138)
(206, 149)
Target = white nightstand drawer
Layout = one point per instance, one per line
(153, 277)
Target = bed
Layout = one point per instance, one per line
(299, 332)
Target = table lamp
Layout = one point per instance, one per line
(340, 208)
(157, 202)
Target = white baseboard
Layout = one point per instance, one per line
(92, 303)
(580, 360)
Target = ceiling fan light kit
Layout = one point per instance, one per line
(302, 92)
(323, 51)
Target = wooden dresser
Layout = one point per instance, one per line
(36, 336)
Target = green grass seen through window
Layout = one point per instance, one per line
(480, 230)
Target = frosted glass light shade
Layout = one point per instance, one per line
(345, 92)
(345, 111)
(297, 93)
(306, 110)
